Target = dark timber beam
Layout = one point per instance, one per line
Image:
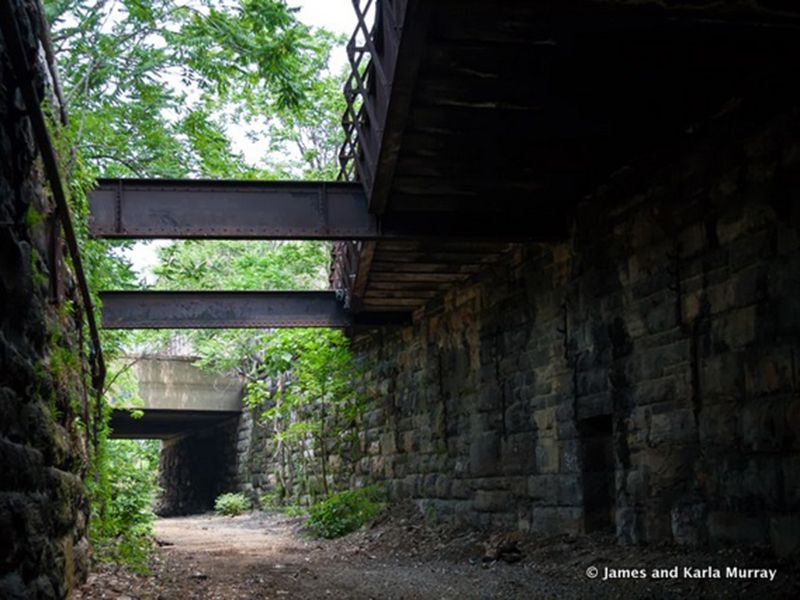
(195, 209)
(404, 80)
(225, 310)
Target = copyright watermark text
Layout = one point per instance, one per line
(676, 572)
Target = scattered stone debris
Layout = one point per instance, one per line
(503, 546)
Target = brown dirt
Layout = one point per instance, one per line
(262, 555)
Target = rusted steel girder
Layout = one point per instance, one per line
(161, 208)
(193, 209)
(226, 310)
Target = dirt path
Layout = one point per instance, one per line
(261, 555)
(267, 556)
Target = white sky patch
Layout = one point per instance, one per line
(335, 15)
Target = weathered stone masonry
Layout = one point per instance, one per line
(43, 506)
(642, 375)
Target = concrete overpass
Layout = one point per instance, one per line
(179, 398)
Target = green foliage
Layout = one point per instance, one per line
(269, 501)
(122, 518)
(151, 88)
(294, 510)
(33, 217)
(273, 501)
(344, 512)
(314, 127)
(122, 480)
(316, 407)
(274, 265)
(151, 84)
(231, 504)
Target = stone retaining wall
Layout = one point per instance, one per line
(640, 376)
(643, 376)
(43, 453)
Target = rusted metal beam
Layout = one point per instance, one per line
(161, 208)
(227, 310)
(193, 209)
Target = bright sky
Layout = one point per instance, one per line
(335, 15)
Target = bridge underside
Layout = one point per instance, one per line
(480, 126)
(523, 108)
(177, 399)
(164, 424)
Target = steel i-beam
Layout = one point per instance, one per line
(125, 208)
(320, 210)
(225, 310)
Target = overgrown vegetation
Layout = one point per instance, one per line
(231, 504)
(153, 88)
(307, 389)
(123, 502)
(344, 512)
(122, 482)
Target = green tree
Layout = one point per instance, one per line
(147, 83)
(152, 88)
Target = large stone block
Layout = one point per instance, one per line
(722, 375)
(542, 490)
(784, 533)
(630, 525)
(689, 521)
(544, 420)
(676, 426)
(771, 373)
(555, 490)
(484, 455)
(729, 527)
(735, 329)
(493, 501)
(518, 453)
(763, 425)
(719, 424)
(556, 520)
(547, 456)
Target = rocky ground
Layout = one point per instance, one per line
(269, 555)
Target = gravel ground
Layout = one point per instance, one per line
(269, 555)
